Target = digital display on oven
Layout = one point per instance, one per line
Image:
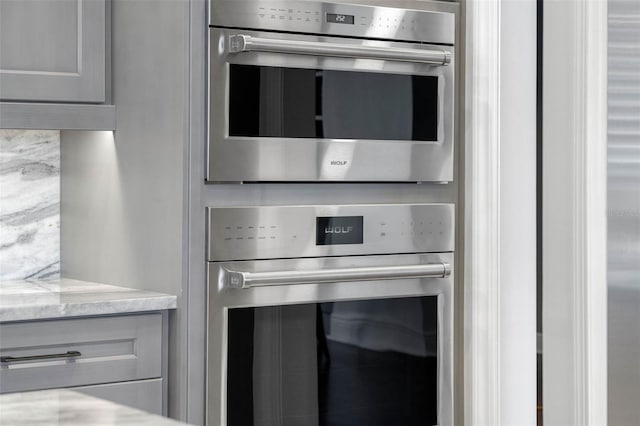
(335, 18)
(332, 230)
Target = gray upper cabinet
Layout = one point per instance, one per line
(52, 51)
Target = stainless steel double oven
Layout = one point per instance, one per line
(309, 91)
(330, 314)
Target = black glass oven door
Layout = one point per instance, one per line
(368, 362)
(327, 104)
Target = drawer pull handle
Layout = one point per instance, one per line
(68, 354)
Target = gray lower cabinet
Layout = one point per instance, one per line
(52, 51)
(120, 358)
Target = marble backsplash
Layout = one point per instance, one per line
(29, 204)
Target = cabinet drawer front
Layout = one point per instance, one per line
(112, 349)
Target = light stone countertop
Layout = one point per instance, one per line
(63, 407)
(62, 298)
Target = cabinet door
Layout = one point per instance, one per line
(52, 50)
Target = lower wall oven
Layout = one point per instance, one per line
(331, 315)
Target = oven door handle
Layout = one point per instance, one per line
(244, 43)
(243, 279)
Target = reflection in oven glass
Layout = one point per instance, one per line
(342, 363)
(308, 103)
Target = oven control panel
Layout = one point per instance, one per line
(430, 26)
(276, 232)
(391, 21)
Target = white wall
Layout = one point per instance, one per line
(500, 202)
(574, 221)
(518, 212)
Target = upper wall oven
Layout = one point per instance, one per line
(308, 91)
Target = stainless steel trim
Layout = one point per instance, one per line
(447, 269)
(421, 21)
(447, 57)
(68, 354)
(246, 43)
(280, 232)
(243, 279)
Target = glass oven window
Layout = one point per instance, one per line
(368, 362)
(308, 103)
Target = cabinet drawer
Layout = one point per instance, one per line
(111, 349)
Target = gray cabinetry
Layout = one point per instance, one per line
(52, 51)
(120, 358)
(55, 65)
